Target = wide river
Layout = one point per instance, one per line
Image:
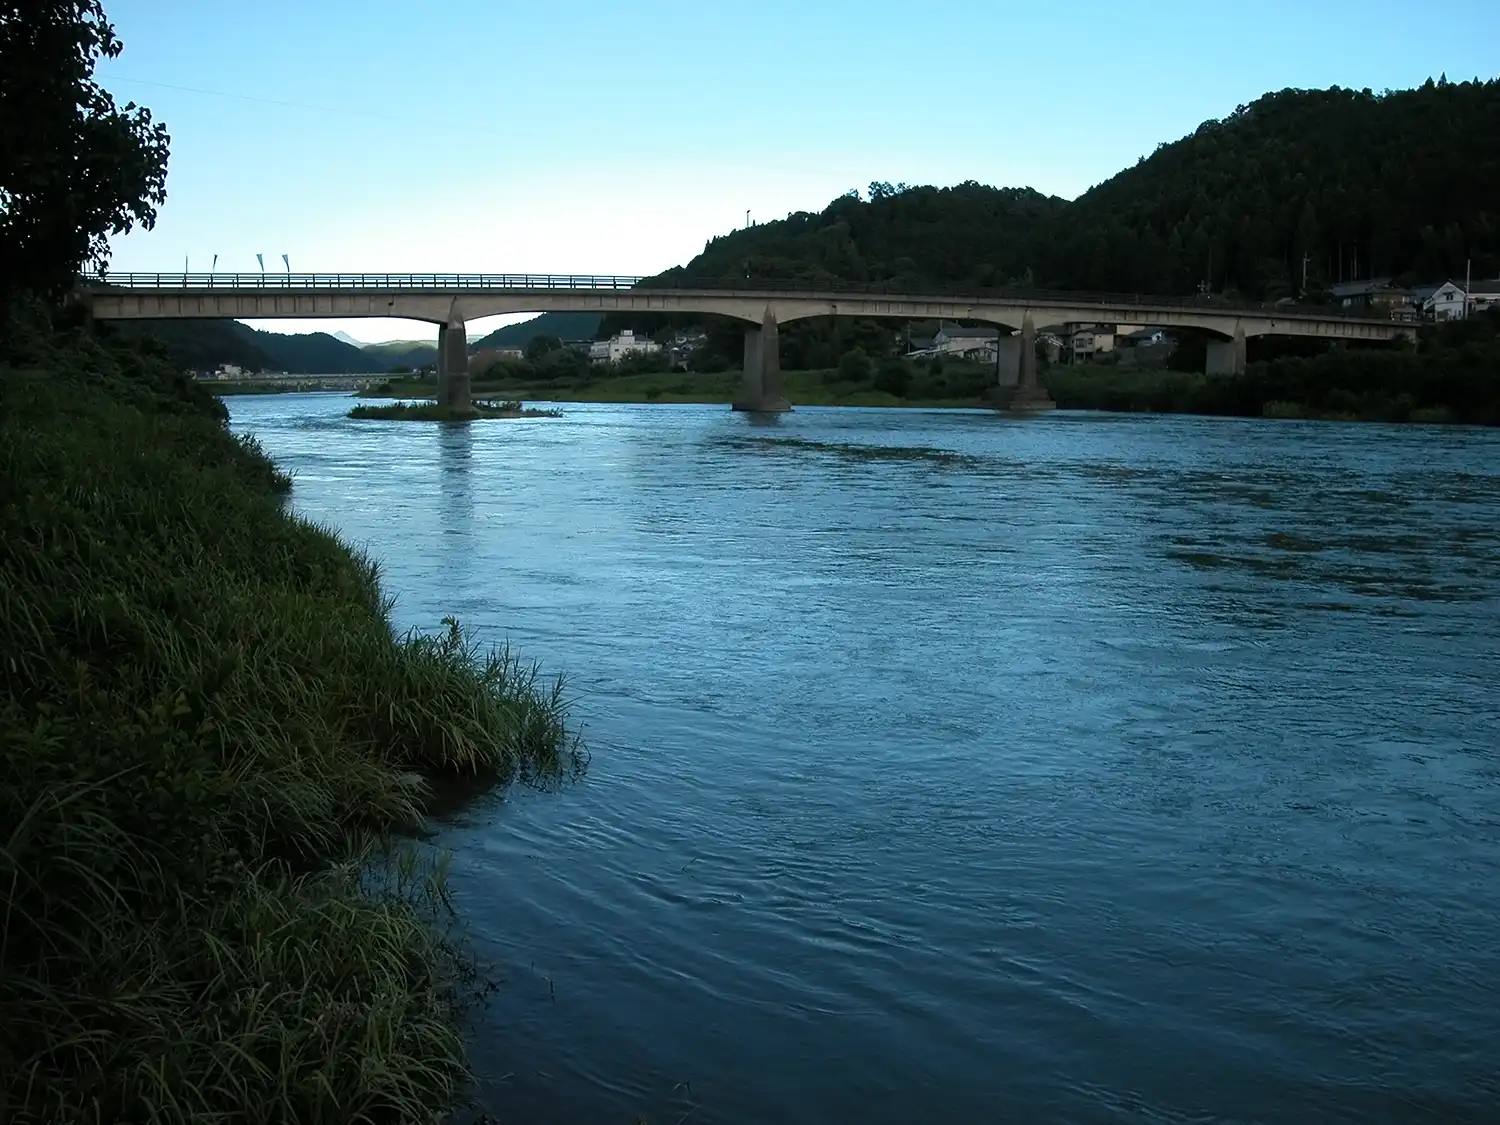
(953, 768)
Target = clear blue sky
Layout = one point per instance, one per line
(570, 136)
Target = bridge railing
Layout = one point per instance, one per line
(448, 282)
(305, 281)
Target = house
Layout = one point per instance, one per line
(976, 343)
(682, 346)
(1143, 338)
(1446, 302)
(619, 346)
(1374, 292)
(1379, 294)
(1081, 342)
(1484, 296)
(958, 342)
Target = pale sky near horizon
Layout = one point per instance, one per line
(580, 136)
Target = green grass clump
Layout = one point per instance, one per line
(207, 731)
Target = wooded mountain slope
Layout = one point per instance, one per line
(1403, 184)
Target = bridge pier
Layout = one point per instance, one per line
(1227, 357)
(453, 365)
(1007, 363)
(1029, 396)
(762, 367)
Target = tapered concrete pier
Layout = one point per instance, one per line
(1227, 357)
(1029, 396)
(761, 391)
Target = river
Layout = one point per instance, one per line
(954, 768)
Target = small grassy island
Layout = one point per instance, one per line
(432, 412)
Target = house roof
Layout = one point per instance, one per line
(1428, 292)
(1360, 288)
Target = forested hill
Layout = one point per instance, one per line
(1403, 184)
(969, 233)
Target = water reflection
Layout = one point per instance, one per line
(455, 495)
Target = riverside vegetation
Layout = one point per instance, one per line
(1452, 374)
(208, 731)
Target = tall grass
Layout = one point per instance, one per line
(207, 730)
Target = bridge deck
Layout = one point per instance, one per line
(441, 298)
(472, 283)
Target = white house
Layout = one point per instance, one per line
(1446, 302)
(617, 347)
(1081, 342)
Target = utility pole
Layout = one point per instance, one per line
(1304, 273)
(1468, 272)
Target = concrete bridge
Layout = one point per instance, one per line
(450, 300)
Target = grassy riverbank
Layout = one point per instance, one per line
(432, 412)
(207, 730)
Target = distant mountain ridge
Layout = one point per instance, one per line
(205, 345)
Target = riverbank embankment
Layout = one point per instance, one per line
(208, 731)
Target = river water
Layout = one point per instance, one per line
(953, 768)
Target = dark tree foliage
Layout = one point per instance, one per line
(74, 167)
(539, 346)
(1404, 184)
(969, 234)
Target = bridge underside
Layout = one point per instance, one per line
(761, 310)
(750, 306)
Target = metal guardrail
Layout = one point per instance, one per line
(304, 281)
(447, 282)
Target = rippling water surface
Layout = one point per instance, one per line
(953, 768)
